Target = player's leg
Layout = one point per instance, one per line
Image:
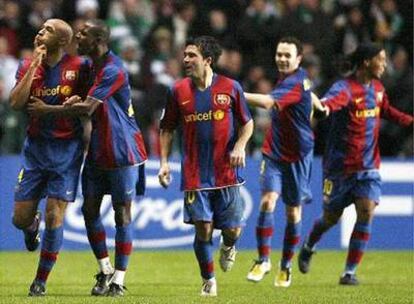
(123, 190)
(94, 185)
(228, 207)
(51, 243)
(97, 240)
(28, 192)
(270, 181)
(228, 247)
(359, 239)
(296, 191)
(290, 241)
(367, 192)
(27, 218)
(198, 210)
(123, 247)
(336, 197)
(203, 248)
(265, 225)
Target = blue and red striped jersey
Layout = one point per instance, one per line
(53, 85)
(357, 110)
(116, 140)
(290, 136)
(209, 121)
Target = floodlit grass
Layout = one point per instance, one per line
(172, 277)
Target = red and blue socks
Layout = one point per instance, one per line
(97, 238)
(264, 234)
(357, 246)
(290, 242)
(51, 244)
(123, 249)
(204, 253)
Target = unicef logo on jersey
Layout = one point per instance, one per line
(157, 217)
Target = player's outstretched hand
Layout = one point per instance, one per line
(238, 157)
(164, 176)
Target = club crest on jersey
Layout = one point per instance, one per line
(70, 75)
(379, 96)
(222, 99)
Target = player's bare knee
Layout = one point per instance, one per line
(122, 215)
(365, 214)
(203, 231)
(331, 219)
(293, 214)
(268, 203)
(54, 218)
(21, 222)
(203, 236)
(232, 233)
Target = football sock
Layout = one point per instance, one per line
(290, 242)
(264, 233)
(97, 238)
(228, 241)
(357, 245)
(123, 246)
(105, 265)
(204, 253)
(118, 277)
(51, 244)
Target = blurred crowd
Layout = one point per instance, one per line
(149, 36)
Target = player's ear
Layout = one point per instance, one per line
(209, 61)
(63, 41)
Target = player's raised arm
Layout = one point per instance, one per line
(19, 95)
(259, 100)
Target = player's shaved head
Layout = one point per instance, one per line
(63, 29)
(99, 29)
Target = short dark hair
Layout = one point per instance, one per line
(208, 46)
(292, 40)
(364, 51)
(100, 29)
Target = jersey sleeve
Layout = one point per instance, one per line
(241, 109)
(289, 92)
(337, 97)
(391, 113)
(108, 81)
(170, 117)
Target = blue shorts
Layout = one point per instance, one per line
(224, 207)
(119, 183)
(50, 168)
(340, 191)
(292, 180)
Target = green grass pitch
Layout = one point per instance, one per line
(172, 277)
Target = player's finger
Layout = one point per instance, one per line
(35, 99)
